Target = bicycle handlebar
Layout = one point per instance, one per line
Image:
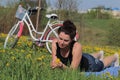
(32, 11)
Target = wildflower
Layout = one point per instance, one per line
(28, 56)
(3, 35)
(13, 58)
(29, 43)
(97, 49)
(57, 60)
(11, 52)
(3, 51)
(8, 64)
(19, 43)
(22, 50)
(39, 59)
(42, 57)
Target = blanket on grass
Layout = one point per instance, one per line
(113, 71)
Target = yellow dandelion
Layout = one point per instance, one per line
(3, 51)
(19, 42)
(39, 59)
(3, 35)
(57, 60)
(28, 56)
(13, 58)
(8, 64)
(11, 52)
(42, 57)
(22, 50)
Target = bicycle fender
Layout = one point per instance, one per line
(21, 29)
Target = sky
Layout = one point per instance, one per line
(4, 2)
(86, 4)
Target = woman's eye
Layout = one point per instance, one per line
(66, 40)
(63, 39)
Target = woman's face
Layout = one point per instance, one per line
(63, 40)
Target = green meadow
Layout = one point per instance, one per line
(27, 63)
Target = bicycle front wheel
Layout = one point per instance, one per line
(51, 35)
(12, 38)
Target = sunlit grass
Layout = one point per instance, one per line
(27, 63)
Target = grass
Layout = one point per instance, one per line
(26, 63)
(95, 31)
(98, 23)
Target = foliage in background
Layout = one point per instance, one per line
(93, 27)
(114, 33)
(99, 13)
(7, 18)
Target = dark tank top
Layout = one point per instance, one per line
(65, 60)
(88, 62)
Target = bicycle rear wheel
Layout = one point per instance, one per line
(12, 38)
(51, 35)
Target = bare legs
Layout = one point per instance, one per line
(107, 60)
(99, 55)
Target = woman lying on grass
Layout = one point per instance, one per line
(66, 51)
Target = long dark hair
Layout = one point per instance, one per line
(68, 28)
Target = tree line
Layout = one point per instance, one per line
(66, 9)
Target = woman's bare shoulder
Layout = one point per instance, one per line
(77, 49)
(77, 44)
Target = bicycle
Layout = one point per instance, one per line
(47, 35)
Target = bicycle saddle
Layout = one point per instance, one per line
(52, 16)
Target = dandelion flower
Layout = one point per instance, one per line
(39, 59)
(57, 60)
(7, 64)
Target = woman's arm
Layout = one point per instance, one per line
(56, 63)
(54, 57)
(77, 55)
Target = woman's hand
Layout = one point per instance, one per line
(56, 63)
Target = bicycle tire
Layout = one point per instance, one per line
(12, 38)
(51, 35)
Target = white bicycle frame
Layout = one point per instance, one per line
(26, 19)
(45, 36)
